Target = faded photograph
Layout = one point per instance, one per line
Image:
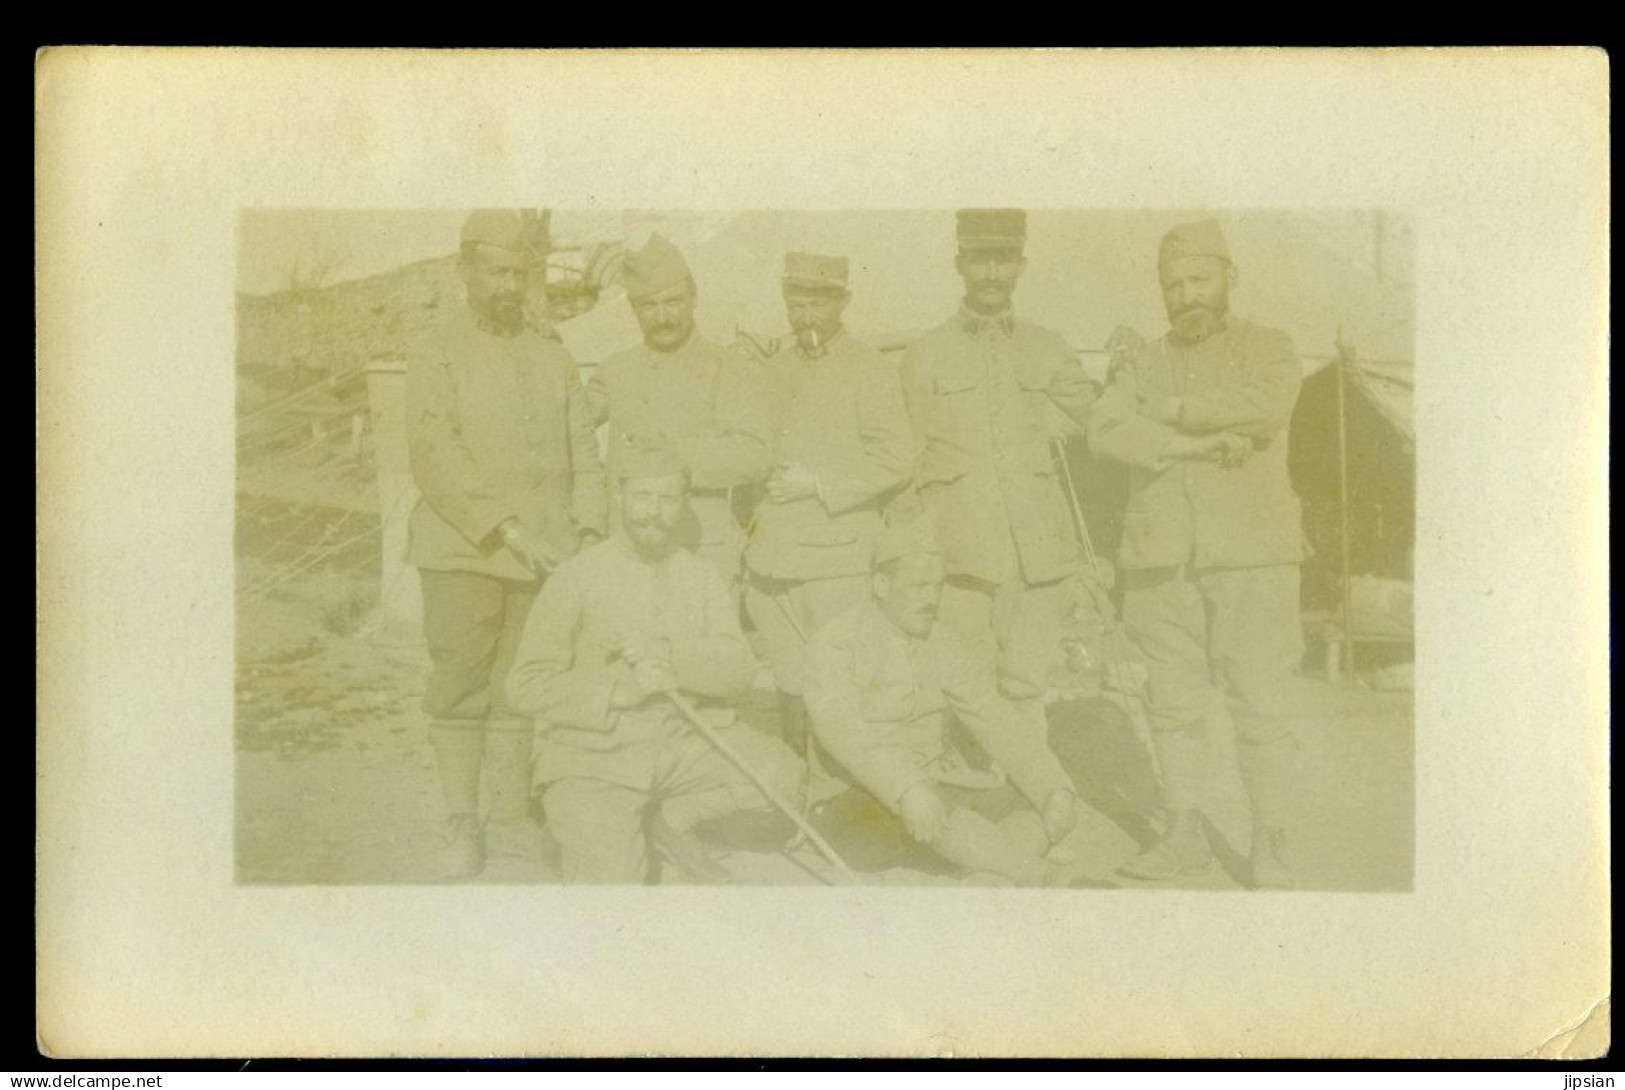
(1043, 548)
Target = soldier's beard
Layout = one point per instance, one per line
(651, 539)
(1197, 323)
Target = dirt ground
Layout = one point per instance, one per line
(336, 784)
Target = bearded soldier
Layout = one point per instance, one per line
(626, 778)
(702, 401)
(504, 456)
(1212, 540)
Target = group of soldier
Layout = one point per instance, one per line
(906, 565)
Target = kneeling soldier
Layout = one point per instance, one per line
(877, 685)
(615, 630)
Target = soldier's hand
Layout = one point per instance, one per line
(791, 482)
(654, 675)
(923, 812)
(1121, 347)
(527, 546)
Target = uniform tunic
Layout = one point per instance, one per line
(1210, 554)
(604, 765)
(708, 405)
(839, 415)
(980, 394)
(986, 397)
(497, 427)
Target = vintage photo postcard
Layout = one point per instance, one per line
(794, 553)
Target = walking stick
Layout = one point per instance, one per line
(682, 705)
(1058, 452)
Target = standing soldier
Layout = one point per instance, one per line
(1212, 539)
(616, 630)
(504, 456)
(678, 388)
(982, 392)
(841, 448)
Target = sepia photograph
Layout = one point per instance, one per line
(959, 554)
(1059, 547)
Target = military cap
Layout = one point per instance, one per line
(506, 229)
(657, 266)
(992, 228)
(917, 537)
(815, 271)
(1200, 239)
(648, 456)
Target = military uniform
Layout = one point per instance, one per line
(838, 413)
(603, 767)
(497, 429)
(877, 696)
(704, 402)
(986, 395)
(1210, 553)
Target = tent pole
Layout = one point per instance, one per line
(1343, 356)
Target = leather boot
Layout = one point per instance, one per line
(509, 831)
(684, 851)
(463, 856)
(1183, 849)
(1269, 869)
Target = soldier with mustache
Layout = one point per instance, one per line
(880, 679)
(706, 402)
(985, 392)
(1212, 540)
(503, 453)
(842, 448)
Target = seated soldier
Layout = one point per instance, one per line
(877, 682)
(616, 629)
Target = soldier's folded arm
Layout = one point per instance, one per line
(886, 440)
(443, 469)
(715, 661)
(589, 502)
(550, 680)
(1259, 407)
(1118, 431)
(835, 708)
